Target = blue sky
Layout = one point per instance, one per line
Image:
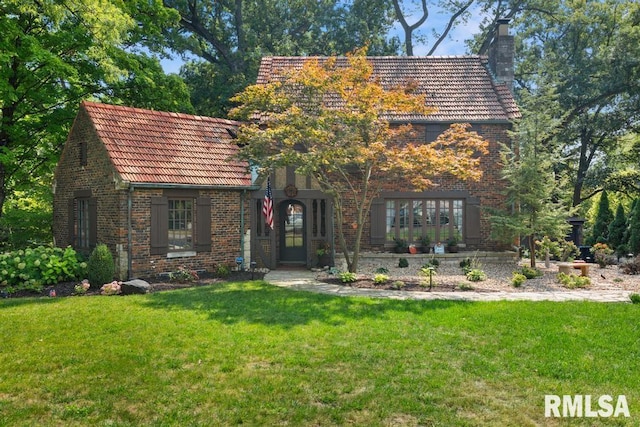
(453, 45)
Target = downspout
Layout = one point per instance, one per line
(244, 261)
(129, 231)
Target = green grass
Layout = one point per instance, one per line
(253, 354)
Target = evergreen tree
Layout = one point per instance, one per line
(634, 229)
(604, 217)
(617, 228)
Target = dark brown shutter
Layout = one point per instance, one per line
(472, 216)
(203, 224)
(159, 226)
(93, 222)
(378, 222)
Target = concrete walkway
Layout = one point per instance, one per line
(303, 280)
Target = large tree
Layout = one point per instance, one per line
(589, 52)
(537, 209)
(53, 54)
(328, 120)
(226, 39)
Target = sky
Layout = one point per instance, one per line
(453, 45)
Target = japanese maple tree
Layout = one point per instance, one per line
(331, 119)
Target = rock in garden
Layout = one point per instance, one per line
(135, 286)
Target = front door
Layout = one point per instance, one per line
(292, 232)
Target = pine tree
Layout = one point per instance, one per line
(617, 228)
(634, 230)
(604, 217)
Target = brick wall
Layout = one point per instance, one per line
(488, 189)
(100, 177)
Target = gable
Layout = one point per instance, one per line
(154, 147)
(460, 87)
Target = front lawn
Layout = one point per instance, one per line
(250, 353)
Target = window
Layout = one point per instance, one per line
(180, 226)
(180, 222)
(83, 221)
(81, 225)
(412, 219)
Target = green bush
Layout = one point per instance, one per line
(380, 278)
(100, 267)
(635, 298)
(476, 275)
(382, 270)
(403, 263)
(221, 270)
(572, 281)
(35, 268)
(432, 263)
(398, 284)
(348, 277)
(530, 272)
(518, 279)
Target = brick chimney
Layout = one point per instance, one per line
(501, 53)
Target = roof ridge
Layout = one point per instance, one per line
(148, 111)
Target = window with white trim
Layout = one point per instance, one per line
(181, 220)
(411, 219)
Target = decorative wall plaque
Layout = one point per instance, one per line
(291, 190)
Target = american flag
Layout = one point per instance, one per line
(267, 205)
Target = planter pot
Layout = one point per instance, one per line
(452, 249)
(426, 249)
(324, 260)
(413, 250)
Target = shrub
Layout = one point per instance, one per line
(432, 263)
(380, 278)
(518, 279)
(347, 277)
(403, 263)
(465, 265)
(476, 275)
(572, 281)
(35, 268)
(632, 266)
(81, 288)
(427, 273)
(635, 298)
(221, 270)
(382, 270)
(601, 252)
(100, 266)
(530, 272)
(465, 287)
(398, 284)
(183, 275)
(112, 288)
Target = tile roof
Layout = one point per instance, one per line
(154, 147)
(460, 87)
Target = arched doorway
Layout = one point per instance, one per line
(293, 242)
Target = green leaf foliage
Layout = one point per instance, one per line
(100, 267)
(34, 268)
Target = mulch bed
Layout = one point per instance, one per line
(66, 289)
(408, 286)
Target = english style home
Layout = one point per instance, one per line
(162, 189)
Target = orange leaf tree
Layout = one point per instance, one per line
(331, 119)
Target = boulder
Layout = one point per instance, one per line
(135, 286)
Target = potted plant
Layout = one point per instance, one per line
(452, 244)
(426, 244)
(324, 255)
(402, 247)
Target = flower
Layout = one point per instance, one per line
(112, 288)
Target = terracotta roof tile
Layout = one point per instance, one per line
(154, 147)
(460, 87)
